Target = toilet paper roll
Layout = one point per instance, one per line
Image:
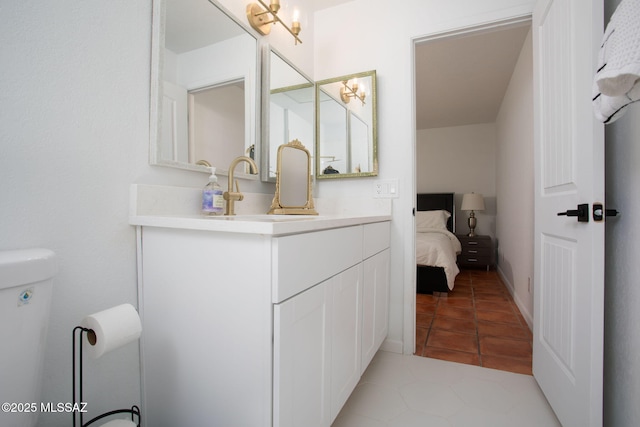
(110, 329)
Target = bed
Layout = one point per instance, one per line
(436, 245)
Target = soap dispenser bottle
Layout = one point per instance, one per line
(212, 198)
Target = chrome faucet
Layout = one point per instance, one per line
(231, 196)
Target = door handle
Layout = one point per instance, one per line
(598, 211)
(582, 213)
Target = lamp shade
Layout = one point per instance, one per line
(472, 202)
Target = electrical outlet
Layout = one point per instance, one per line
(385, 189)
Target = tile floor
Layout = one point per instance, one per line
(409, 391)
(477, 323)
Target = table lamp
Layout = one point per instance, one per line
(472, 202)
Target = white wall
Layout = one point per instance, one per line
(460, 159)
(622, 269)
(74, 129)
(515, 182)
(383, 42)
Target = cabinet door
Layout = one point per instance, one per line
(345, 336)
(375, 305)
(301, 364)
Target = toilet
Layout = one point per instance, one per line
(26, 285)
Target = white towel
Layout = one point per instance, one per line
(617, 82)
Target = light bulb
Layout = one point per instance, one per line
(275, 6)
(295, 25)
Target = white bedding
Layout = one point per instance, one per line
(438, 248)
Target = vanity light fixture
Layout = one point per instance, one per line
(351, 91)
(258, 17)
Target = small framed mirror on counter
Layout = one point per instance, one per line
(293, 181)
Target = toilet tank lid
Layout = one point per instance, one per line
(24, 266)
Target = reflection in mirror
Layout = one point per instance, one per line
(346, 126)
(288, 97)
(333, 158)
(214, 110)
(204, 84)
(293, 181)
(361, 154)
(293, 189)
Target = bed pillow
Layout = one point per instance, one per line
(431, 219)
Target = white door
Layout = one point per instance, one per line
(569, 168)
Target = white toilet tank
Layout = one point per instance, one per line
(25, 301)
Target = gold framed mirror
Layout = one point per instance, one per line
(293, 181)
(346, 127)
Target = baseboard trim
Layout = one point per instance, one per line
(523, 310)
(393, 346)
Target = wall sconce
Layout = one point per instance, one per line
(472, 202)
(258, 17)
(351, 91)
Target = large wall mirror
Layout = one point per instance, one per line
(205, 87)
(288, 109)
(346, 126)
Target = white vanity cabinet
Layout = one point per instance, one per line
(316, 328)
(302, 359)
(317, 351)
(346, 336)
(375, 304)
(246, 329)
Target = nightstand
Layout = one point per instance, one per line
(477, 250)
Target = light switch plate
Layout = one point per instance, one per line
(385, 189)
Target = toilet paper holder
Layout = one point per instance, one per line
(77, 378)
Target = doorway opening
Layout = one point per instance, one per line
(464, 83)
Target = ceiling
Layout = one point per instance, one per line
(462, 80)
(325, 4)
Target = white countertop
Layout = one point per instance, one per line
(257, 224)
(175, 207)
